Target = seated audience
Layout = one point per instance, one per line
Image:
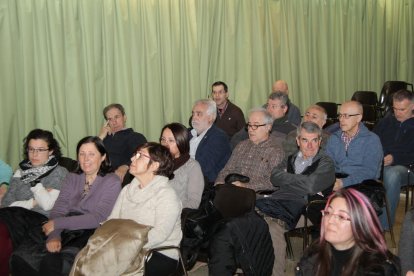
(148, 200)
(293, 113)
(120, 142)
(307, 172)
(230, 117)
(351, 241)
(5, 175)
(209, 145)
(396, 133)
(86, 199)
(33, 190)
(356, 151)
(188, 181)
(316, 114)
(406, 246)
(277, 107)
(256, 156)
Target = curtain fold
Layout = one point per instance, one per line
(62, 61)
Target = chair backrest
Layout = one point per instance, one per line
(388, 89)
(365, 97)
(369, 117)
(68, 163)
(331, 109)
(234, 201)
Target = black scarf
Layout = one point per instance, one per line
(178, 162)
(31, 174)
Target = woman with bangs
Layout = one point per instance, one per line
(351, 241)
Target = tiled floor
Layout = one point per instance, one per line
(201, 268)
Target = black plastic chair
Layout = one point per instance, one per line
(314, 206)
(68, 163)
(388, 89)
(331, 109)
(409, 188)
(366, 97)
(370, 116)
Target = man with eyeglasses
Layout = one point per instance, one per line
(397, 137)
(119, 141)
(230, 117)
(307, 172)
(256, 156)
(277, 106)
(356, 151)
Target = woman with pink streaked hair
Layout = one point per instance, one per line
(351, 241)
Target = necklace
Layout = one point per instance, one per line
(86, 188)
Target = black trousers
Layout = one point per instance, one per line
(160, 265)
(32, 259)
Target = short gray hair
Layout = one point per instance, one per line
(268, 120)
(282, 97)
(309, 127)
(211, 107)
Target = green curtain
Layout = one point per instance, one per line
(62, 61)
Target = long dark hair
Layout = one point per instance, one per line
(180, 133)
(162, 155)
(106, 164)
(46, 136)
(369, 245)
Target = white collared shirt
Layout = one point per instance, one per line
(195, 141)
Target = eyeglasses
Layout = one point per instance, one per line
(167, 141)
(347, 116)
(254, 127)
(339, 218)
(34, 150)
(138, 155)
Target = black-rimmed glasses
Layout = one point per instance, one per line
(34, 150)
(254, 127)
(347, 116)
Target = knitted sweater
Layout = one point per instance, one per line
(19, 191)
(188, 183)
(94, 207)
(156, 205)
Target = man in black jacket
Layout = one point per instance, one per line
(307, 172)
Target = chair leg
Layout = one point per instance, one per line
(289, 249)
(391, 230)
(181, 261)
(407, 197)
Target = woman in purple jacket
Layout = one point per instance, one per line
(86, 199)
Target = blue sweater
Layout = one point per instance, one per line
(397, 139)
(362, 160)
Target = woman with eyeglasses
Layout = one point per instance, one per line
(351, 241)
(86, 199)
(188, 179)
(32, 192)
(148, 201)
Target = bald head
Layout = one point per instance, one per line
(280, 86)
(350, 114)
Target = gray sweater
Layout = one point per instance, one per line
(188, 183)
(19, 191)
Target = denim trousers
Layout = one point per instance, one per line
(394, 177)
